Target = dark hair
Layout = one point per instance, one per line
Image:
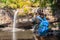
(40, 12)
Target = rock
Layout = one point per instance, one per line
(49, 14)
(4, 18)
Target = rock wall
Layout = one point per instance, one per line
(4, 18)
(49, 14)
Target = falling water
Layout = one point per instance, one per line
(14, 25)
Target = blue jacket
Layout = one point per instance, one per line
(43, 26)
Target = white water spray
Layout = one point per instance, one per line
(14, 25)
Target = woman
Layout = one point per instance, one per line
(42, 24)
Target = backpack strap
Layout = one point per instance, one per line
(38, 17)
(44, 19)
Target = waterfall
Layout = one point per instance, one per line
(14, 25)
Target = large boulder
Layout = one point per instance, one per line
(4, 18)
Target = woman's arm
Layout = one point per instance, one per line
(35, 21)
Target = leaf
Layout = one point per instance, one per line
(2, 5)
(12, 5)
(4, 1)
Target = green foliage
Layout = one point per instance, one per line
(4, 1)
(42, 3)
(34, 1)
(45, 3)
(19, 3)
(14, 4)
(25, 10)
(2, 5)
(25, 4)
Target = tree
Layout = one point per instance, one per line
(45, 3)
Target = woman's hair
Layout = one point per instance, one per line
(40, 12)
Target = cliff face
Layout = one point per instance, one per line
(7, 17)
(52, 16)
(4, 18)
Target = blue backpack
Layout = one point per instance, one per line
(43, 26)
